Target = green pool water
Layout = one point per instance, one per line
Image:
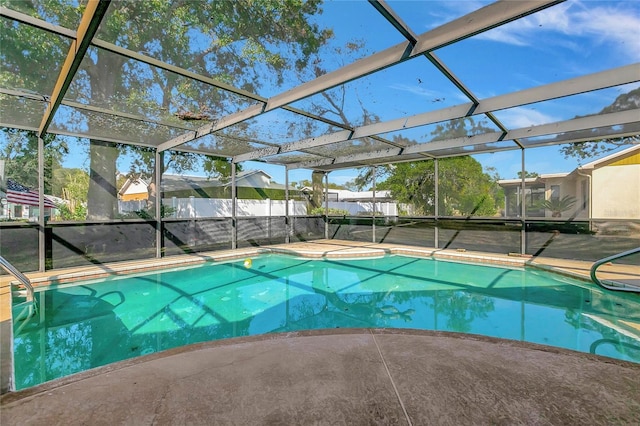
(86, 325)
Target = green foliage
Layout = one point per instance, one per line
(366, 175)
(464, 188)
(559, 205)
(528, 174)
(240, 43)
(20, 152)
(596, 146)
(79, 212)
(71, 184)
(307, 183)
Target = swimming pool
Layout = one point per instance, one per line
(85, 325)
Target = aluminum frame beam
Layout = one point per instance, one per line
(600, 80)
(45, 98)
(93, 14)
(476, 22)
(295, 146)
(576, 124)
(36, 23)
(209, 128)
(56, 29)
(483, 19)
(412, 37)
(390, 15)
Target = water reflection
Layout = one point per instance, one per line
(82, 327)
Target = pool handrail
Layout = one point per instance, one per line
(597, 264)
(20, 276)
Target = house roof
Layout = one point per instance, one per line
(172, 183)
(601, 162)
(612, 157)
(130, 182)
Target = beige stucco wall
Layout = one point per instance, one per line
(569, 185)
(616, 192)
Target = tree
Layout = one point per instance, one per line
(464, 188)
(233, 41)
(71, 184)
(367, 175)
(559, 205)
(307, 183)
(528, 174)
(20, 154)
(597, 146)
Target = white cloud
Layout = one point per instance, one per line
(615, 24)
(452, 10)
(520, 117)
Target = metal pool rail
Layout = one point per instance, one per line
(597, 264)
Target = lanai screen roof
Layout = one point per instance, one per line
(372, 84)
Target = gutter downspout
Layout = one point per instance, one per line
(588, 176)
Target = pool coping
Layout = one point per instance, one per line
(316, 249)
(334, 251)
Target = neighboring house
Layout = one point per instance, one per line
(134, 190)
(605, 188)
(252, 184)
(30, 212)
(195, 196)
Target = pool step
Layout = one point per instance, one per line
(23, 311)
(21, 307)
(19, 291)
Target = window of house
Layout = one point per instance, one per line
(555, 192)
(534, 197)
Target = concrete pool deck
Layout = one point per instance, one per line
(323, 376)
(345, 377)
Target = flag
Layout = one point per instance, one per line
(20, 194)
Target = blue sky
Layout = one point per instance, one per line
(565, 41)
(568, 40)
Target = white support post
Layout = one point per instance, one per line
(437, 203)
(373, 221)
(287, 238)
(523, 209)
(234, 224)
(41, 222)
(326, 205)
(158, 202)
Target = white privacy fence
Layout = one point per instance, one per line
(365, 207)
(217, 207)
(192, 207)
